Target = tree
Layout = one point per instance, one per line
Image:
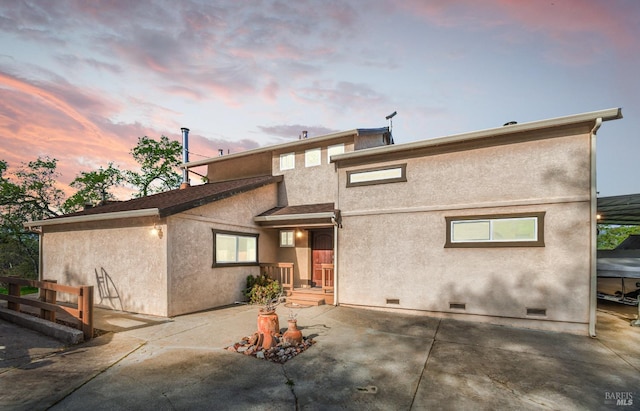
(158, 161)
(610, 236)
(31, 195)
(93, 188)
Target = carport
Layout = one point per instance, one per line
(623, 263)
(619, 210)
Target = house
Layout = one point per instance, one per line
(496, 225)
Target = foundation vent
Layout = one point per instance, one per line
(540, 312)
(457, 306)
(393, 301)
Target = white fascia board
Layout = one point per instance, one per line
(605, 115)
(147, 212)
(277, 147)
(288, 217)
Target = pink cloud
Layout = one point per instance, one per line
(58, 120)
(574, 29)
(37, 120)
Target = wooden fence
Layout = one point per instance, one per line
(47, 303)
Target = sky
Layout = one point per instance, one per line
(82, 80)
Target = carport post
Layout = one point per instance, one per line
(593, 299)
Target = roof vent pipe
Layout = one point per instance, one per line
(185, 157)
(390, 119)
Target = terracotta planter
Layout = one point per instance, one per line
(268, 323)
(293, 335)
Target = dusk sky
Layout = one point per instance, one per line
(81, 80)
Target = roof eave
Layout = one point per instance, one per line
(291, 217)
(283, 146)
(165, 212)
(147, 212)
(605, 115)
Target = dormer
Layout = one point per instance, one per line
(303, 153)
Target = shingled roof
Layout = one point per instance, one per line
(299, 215)
(300, 209)
(174, 201)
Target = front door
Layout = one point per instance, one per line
(322, 253)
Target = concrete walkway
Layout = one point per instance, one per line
(362, 359)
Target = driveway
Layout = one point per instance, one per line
(362, 359)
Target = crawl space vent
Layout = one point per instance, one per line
(393, 301)
(540, 312)
(458, 306)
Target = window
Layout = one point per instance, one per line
(286, 238)
(381, 175)
(513, 230)
(287, 161)
(312, 157)
(234, 248)
(334, 150)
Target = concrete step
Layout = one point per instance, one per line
(306, 299)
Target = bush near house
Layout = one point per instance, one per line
(263, 290)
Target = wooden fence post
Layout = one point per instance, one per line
(85, 305)
(48, 296)
(14, 290)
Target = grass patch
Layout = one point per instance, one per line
(23, 290)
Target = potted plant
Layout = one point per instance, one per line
(265, 292)
(293, 335)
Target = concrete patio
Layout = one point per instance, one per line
(362, 359)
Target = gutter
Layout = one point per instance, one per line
(277, 147)
(593, 298)
(602, 115)
(147, 212)
(287, 217)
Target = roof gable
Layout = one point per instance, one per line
(167, 203)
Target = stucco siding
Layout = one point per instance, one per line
(308, 185)
(413, 266)
(300, 256)
(194, 284)
(130, 258)
(392, 243)
(544, 169)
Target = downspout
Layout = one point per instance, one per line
(336, 225)
(594, 233)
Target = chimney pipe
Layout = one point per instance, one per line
(185, 157)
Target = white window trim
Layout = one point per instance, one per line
(287, 158)
(313, 157)
(285, 243)
(334, 150)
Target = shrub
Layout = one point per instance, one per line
(263, 291)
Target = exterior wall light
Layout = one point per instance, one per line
(156, 231)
